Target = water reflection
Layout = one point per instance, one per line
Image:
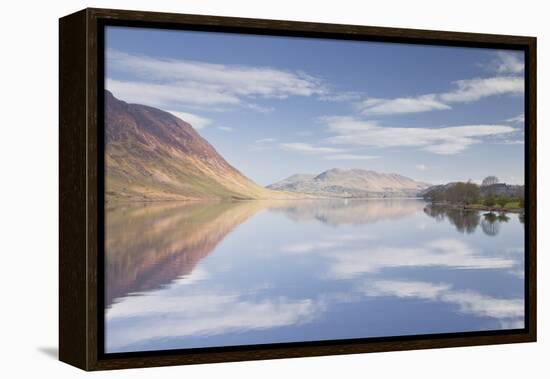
(467, 221)
(149, 245)
(351, 262)
(182, 275)
(347, 211)
(491, 223)
(467, 301)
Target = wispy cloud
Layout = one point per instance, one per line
(519, 119)
(265, 140)
(439, 253)
(165, 81)
(260, 108)
(341, 97)
(404, 289)
(513, 142)
(196, 121)
(308, 149)
(347, 261)
(444, 140)
(225, 128)
(350, 157)
(476, 89)
(169, 313)
(507, 63)
(375, 106)
(308, 247)
(264, 144)
(468, 301)
(421, 167)
(335, 241)
(464, 91)
(169, 95)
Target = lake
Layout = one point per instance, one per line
(191, 274)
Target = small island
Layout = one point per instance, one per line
(491, 195)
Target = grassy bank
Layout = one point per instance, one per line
(511, 207)
(508, 207)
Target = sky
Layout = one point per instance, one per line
(277, 106)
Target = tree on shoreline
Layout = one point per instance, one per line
(461, 193)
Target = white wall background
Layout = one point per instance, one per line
(28, 201)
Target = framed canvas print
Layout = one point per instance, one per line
(238, 189)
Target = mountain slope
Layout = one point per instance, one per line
(152, 155)
(351, 183)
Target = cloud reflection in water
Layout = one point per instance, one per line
(163, 278)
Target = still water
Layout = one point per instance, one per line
(187, 275)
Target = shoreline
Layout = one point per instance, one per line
(306, 197)
(478, 207)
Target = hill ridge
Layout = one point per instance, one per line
(351, 183)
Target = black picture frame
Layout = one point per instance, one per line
(81, 197)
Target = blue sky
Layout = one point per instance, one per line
(277, 106)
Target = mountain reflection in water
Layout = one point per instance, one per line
(198, 274)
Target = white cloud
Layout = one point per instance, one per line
(421, 167)
(347, 262)
(439, 253)
(512, 324)
(474, 303)
(260, 108)
(350, 157)
(163, 81)
(196, 276)
(331, 242)
(308, 247)
(465, 91)
(375, 106)
(170, 313)
(476, 89)
(308, 149)
(225, 128)
(341, 97)
(469, 302)
(196, 121)
(265, 140)
(520, 119)
(512, 142)
(444, 140)
(402, 288)
(169, 95)
(508, 63)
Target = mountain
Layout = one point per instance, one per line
(153, 155)
(351, 183)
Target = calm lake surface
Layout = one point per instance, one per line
(187, 275)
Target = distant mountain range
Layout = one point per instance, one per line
(153, 155)
(351, 183)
